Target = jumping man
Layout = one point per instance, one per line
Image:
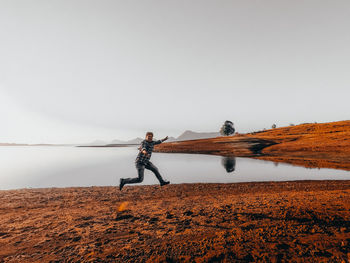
(143, 161)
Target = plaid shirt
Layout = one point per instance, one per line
(148, 146)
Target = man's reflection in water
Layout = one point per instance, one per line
(229, 163)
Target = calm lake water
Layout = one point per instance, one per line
(63, 166)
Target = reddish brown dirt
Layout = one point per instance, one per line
(305, 221)
(311, 145)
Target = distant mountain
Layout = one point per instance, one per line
(97, 142)
(137, 140)
(38, 144)
(13, 144)
(101, 143)
(187, 135)
(171, 139)
(117, 142)
(191, 135)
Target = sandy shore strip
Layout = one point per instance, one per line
(301, 221)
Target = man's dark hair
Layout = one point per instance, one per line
(149, 133)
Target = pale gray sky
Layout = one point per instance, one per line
(76, 71)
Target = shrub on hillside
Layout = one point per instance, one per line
(227, 129)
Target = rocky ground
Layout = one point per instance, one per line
(304, 221)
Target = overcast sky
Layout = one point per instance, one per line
(76, 71)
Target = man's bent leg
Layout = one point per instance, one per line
(140, 170)
(154, 169)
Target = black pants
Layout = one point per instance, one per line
(141, 170)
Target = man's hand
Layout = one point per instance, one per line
(165, 139)
(144, 152)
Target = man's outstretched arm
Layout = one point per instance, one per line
(160, 141)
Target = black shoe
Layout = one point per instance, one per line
(164, 183)
(121, 185)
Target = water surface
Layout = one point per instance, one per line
(48, 166)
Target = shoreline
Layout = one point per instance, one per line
(256, 221)
(173, 184)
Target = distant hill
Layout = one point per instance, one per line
(313, 145)
(187, 135)
(117, 142)
(13, 144)
(191, 135)
(97, 142)
(137, 140)
(38, 144)
(133, 141)
(171, 139)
